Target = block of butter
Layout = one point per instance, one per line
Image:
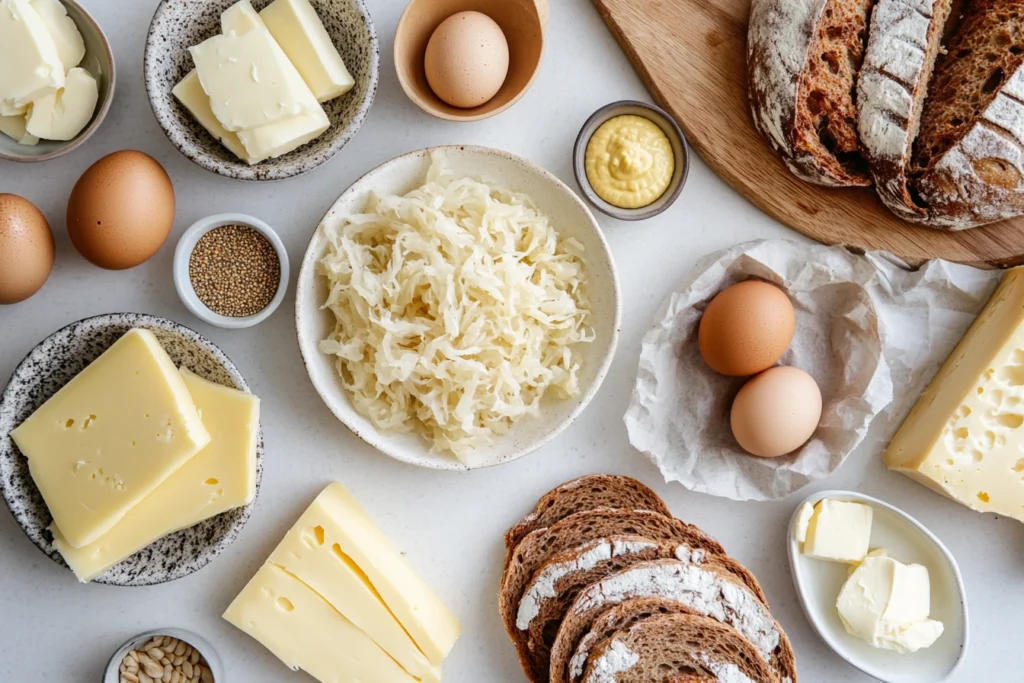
(219, 478)
(887, 604)
(836, 530)
(300, 33)
(31, 63)
(190, 93)
(110, 436)
(964, 437)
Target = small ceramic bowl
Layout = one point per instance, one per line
(183, 283)
(522, 22)
(818, 584)
(54, 362)
(112, 673)
(179, 25)
(99, 61)
(671, 129)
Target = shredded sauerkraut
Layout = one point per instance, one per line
(457, 308)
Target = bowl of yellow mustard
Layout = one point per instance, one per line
(631, 160)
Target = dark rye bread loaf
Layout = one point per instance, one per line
(556, 584)
(676, 647)
(969, 157)
(803, 57)
(904, 41)
(575, 530)
(705, 591)
(586, 493)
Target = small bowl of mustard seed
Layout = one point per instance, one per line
(231, 270)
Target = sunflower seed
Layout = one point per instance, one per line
(130, 677)
(143, 678)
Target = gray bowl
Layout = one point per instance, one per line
(671, 129)
(179, 24)
(99, 61)
(51, 365)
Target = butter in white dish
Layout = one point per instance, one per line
(837, 531)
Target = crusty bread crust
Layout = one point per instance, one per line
(585, 493)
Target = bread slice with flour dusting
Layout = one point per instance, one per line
(586, 493)
(803, 57)
(676, 647)
(705, 591)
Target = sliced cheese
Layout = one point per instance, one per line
(239, 19)
(302, 630)
(114, 433)
(312, 552)
(430, 624)
(14, 128)
(964, 438)
(66, 112)
(31, 63)
(220, 478)
(190, 93)
(275, 139)
(300, 33)
(62, 29)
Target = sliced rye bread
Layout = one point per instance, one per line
(541, 545)
(676, 647)
(968, 162)
(557, 583)
(586, 493)
(803, 57)
(905, 39)
(705, 590)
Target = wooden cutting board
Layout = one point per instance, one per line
(691, 55)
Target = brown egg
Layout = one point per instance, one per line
(26, 249)
(746, 328)
(467, 59)
(776, 412)
(121, 210)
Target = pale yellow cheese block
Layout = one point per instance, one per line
(302, 630)
(191, 94)
(113, 434)
(964, 437)
(312, 551)
(220, 478)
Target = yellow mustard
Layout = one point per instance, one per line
(629, 162)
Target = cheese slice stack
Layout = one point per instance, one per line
(337, 600)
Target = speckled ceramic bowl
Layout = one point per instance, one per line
(180, 24)
(51, 365)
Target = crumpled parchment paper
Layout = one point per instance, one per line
(869, 330)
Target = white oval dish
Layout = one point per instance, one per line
(571, 218)
(818, 584)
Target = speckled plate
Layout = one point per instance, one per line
(51, 365)
(179, 24)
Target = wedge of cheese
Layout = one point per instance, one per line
(964, 438)
(305, 632)
(220, 478)
(114, 433)
(313, 552)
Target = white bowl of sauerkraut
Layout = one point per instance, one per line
(457, 307)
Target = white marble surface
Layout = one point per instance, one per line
(449, 525)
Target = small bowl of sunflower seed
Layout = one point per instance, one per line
(231, 270)
(168, 655)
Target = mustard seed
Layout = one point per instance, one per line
(235, 271)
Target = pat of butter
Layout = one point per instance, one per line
(66, 112)
(803, 521)
(300, 33)
(240, 18)
(315, 551)
(302, 630)
(62, 29)
(964, 437)
(220, 478)
(14, 128)
(887, 604)
(250, 81)
(31, 63)
(190, 93)
(838, 531)
(274, 139)
(114, 433)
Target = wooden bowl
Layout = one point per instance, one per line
(523, 23)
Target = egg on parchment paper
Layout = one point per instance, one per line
(26, 249)
(746, 328)
(776, 412)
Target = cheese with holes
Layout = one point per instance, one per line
(965, 436)
(297, 28)
(220, 478)
(302, 630)
(315, 551)
(110, 436)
